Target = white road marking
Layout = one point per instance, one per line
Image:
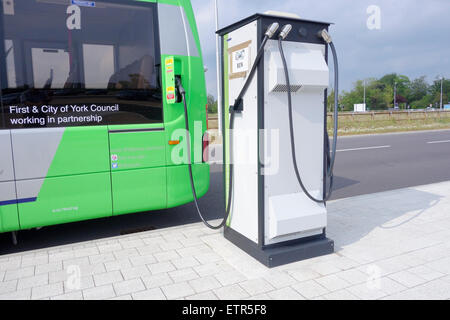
(366, 148)
(434, 142)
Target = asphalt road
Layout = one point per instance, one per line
(375, 163)
(364, 164)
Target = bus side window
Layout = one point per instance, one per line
(10, 64)
(98, 65)
(112, 59)
(50, 67)
(136, 75)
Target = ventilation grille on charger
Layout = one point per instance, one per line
(284, 88)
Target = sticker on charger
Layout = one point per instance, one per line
(240, 60)
(240, 56)
(170, 80)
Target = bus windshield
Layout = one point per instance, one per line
(100, 56)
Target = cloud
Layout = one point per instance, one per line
(412, 40)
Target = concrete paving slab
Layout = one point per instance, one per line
(389, 245)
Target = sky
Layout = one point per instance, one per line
(410, 37)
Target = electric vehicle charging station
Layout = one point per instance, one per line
(272, 216)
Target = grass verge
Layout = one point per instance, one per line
(387, 126)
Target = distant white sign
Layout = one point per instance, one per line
(360, 107)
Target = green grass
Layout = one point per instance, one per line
(386, 126)
(355, 127)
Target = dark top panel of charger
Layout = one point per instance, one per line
(302, 30)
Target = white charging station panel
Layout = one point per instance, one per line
(307, 67)
(244, 214)
(291, 213)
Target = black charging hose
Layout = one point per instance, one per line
(330, 163)
(230, 139)
(191, 175)
(252, 72)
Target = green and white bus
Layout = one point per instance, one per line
(89, 112)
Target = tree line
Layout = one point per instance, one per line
(410, 94)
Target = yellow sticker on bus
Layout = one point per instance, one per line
(170, 81)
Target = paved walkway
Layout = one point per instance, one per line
(390, 245)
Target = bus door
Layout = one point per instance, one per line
(137, 138)
(138, 168)
(136, 133)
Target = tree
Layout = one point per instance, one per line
(418, 89)
(212, 104)
(349, 99)
(435, 91)
(378, 95)
(401, 80)
(422, 103)
(401, 83)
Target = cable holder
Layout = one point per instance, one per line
(238, 106)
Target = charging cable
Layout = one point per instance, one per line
(330, 170)
(233, 109)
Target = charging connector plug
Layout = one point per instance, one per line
(179, 86)
(325, 36)
(285, 31)
(272, 29)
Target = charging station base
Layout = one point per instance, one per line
(284, 253)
